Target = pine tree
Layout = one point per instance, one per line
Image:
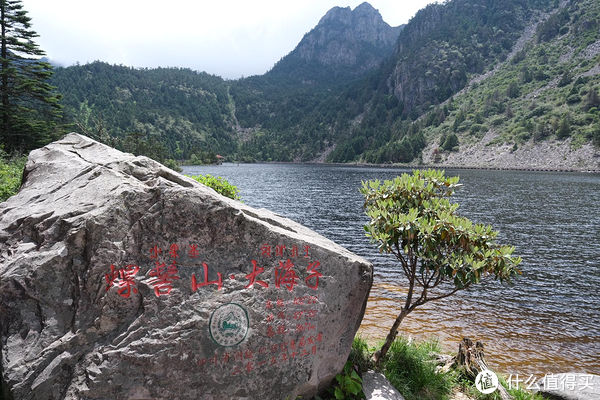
(29, 105)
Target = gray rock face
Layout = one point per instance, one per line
(377, 387)
(345, 44)
(121, 279)
(346, 37)
(571, 386)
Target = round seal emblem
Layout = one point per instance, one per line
(228, 324)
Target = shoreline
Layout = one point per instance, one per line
(450, 166)
(418, 166)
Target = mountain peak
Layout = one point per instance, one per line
(347, 15)
(345, 43)
(336, 13)
(365, 8)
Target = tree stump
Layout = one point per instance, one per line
(471, 359)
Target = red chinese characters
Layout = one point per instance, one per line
(280, 250)
(252, 276)
(174, 251)
(294, 317)
(254, 360)
(193, 252)
(285, 272)
(265, 250)
(306, 251)
(164, 277)
(155, 252)
(285, 275)
(124, 278)
(283, 251)
(196, 284)
(314, 275)
(294, 251)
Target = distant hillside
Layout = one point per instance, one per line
(163, 112)
(465, 82)
(539, 109)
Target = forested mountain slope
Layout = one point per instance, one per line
(460, 74)
(438, 51)
(540, 109)
(169, 112)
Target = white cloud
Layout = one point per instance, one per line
(230, 38)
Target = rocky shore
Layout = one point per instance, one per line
(551, 155)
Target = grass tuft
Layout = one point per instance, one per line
(410, 368)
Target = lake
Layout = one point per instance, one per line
(547, 322)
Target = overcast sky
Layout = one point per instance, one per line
(229, 38)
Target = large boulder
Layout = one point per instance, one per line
(121, 279)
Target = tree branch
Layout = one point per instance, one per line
(447, 294)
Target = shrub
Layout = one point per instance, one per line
(539, 111)
(440, 252)
(220, 185)
(348, 384)
(565, 79)
(359, 354)
(513, 90)
(11, 173)
(476, 128)
(564, 129)
(573, 99)
(497, 121)
(542, 131)
(592, 100)
(450, 142)
(595, 135)
(523, 136)
(170, 163)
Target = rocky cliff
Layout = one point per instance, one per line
(345, 43)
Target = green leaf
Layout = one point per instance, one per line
(354, 387)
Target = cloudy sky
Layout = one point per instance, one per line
(229, 38)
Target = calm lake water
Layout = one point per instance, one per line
(547, 322)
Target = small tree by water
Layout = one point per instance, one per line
(439, 252)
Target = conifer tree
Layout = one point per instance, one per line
(29, 105)
(564, 129)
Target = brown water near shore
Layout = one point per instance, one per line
(513, 345)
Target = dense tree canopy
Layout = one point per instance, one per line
(29, 106)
